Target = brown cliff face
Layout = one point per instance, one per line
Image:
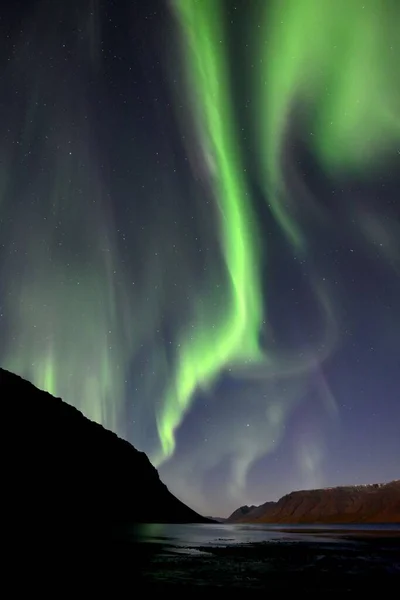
(240, 513)
(376, 503)
(62, 468)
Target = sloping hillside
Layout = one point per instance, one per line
(60, 467)
(376, 503)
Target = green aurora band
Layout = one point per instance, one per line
(70, 318)
(234, 335)
(336, 61)
(63, 303)
(333, 59)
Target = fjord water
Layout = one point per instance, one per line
(263, 556)
(255, 557)
(193, 536)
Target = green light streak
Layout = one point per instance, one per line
(233, 335)
(70, 320)
(336, 60)
(80, 358)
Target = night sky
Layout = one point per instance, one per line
(200, 233)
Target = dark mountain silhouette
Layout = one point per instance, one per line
(240, 513)
(60, 468)
(375, 503)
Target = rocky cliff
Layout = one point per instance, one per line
(376, 503)
(61, 468)
(240, 513)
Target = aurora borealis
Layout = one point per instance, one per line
(200, 233)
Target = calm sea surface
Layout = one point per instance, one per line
(222, 557)
(179, 537)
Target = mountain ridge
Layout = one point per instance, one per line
(64, 465)
(370, 503)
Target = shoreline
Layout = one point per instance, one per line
(354, 533)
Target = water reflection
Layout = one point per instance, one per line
(172, 536)
(248, 555)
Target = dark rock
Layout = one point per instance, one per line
(61, 469)
(239, 513)
(254, 512)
